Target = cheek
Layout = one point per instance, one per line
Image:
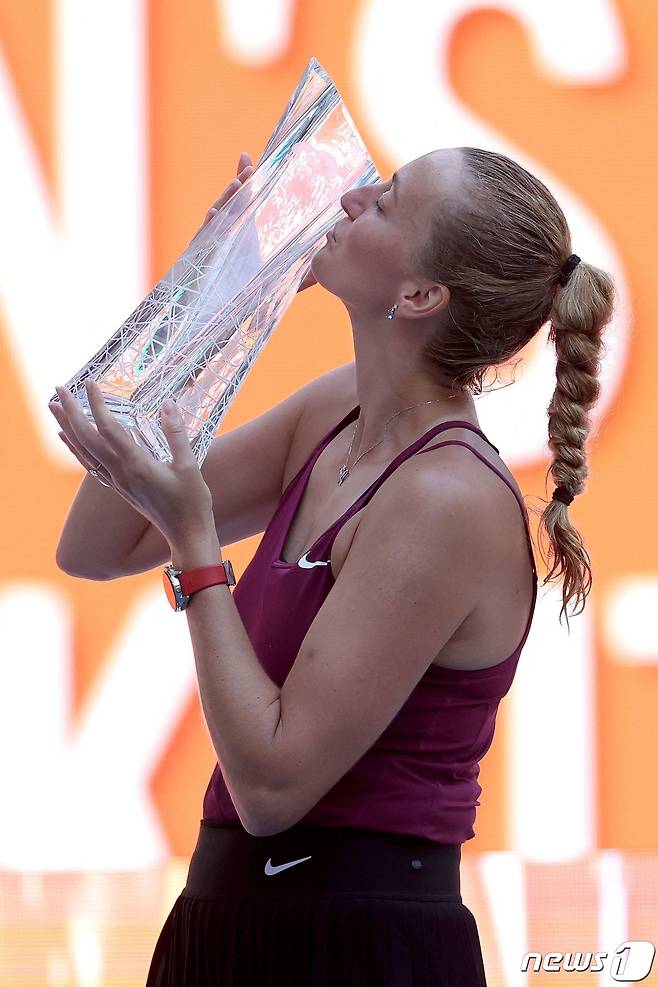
(368, 246)
(377, 253)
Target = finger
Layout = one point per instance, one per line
(234, 185)
(230, 190)
(82, 459)
(85, 433)
(69, 434)
(76, 452)
(59, 413)
(81, 454)
(176, 435)
(245, 160)
(227, 194)
(106, 423)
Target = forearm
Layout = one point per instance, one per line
(100, 529)
(241, 704)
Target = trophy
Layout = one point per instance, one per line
(199, 330)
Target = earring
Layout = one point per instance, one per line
(391, 312)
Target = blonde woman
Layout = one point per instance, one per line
(351, 682)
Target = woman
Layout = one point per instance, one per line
(398, 630)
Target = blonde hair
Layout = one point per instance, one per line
(499, 250)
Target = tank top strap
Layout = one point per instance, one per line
(519, 499)
(393, 465)
(315, 453)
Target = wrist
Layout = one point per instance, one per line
(196, 549)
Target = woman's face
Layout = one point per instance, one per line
(369, 264)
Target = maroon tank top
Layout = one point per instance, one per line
(421, 775)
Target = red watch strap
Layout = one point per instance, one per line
(207, 575)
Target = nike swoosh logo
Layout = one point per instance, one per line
(270, 869)
(305, 563)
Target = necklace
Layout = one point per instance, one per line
(345, 470)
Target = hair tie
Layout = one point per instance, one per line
(563, 494)
(568, 267)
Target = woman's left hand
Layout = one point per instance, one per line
(173, 496)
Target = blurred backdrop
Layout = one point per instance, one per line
(120, 123)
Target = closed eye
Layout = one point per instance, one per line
(377, 201)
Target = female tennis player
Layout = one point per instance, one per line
(351, 681)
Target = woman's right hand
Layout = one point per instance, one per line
(245, 171)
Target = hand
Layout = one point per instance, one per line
(172, 496)
(245, 171)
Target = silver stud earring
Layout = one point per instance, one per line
(391, 312)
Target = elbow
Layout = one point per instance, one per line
(77, 571)
(265, 813)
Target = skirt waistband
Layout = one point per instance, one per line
(229, 862)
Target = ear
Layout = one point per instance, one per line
(422, 298)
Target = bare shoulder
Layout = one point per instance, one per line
(329, 398)
(330, 394)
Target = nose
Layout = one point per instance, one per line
(355, 200)
(346, 201)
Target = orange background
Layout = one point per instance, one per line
(203, 108)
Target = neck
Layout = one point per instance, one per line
(389, 379)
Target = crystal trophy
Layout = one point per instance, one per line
(199, 330)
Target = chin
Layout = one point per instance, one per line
(317, 274)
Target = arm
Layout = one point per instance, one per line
(413, 574)
(243, 470)
(87, 546)
(255, 457)
(390, 611)
(239, 700)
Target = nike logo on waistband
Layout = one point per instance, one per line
(305, 563)
(270, 869)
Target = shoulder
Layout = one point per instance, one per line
(431, 520)
(431, 497)
(332, 393)
(328, 399)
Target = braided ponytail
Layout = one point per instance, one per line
(582, 307)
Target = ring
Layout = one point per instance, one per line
(100, 479)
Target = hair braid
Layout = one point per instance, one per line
(580, 311)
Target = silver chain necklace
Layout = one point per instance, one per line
(345, 470)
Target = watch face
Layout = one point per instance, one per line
(172, 587)
(169, 589)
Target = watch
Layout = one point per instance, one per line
(180, 585)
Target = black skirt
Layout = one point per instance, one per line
(319, 907)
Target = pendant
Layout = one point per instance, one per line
(343, 474)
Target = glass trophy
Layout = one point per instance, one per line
(199, 330)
